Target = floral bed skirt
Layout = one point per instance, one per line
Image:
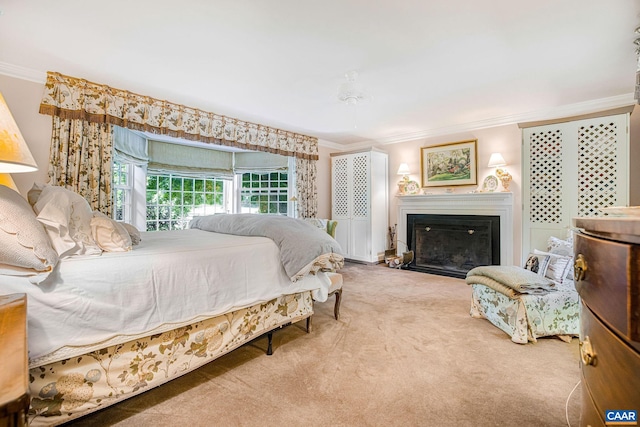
(68, 389)
(528, 317)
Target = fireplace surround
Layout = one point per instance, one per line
(498, 205)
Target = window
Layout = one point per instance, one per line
(173, 200)
(265, 193)
(155, 199)
(122, 188)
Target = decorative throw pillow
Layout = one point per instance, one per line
(558, 266)
(66, 217)
(316, 222)
(134, 233)
(25, 249)
(568, 278)
(109, 234)
(537, 263)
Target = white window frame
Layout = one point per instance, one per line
(126, 189)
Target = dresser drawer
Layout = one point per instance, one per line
(613, 380)
(590, 416)
(607, 286)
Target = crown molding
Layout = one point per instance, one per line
(577, 109)
(331, 145)
(23, 73)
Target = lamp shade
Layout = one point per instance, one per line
(403, 169)
(7, 181)
(14, 152)
(496, 160)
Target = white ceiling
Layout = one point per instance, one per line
(432, 67)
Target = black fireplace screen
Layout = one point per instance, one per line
(451, 245)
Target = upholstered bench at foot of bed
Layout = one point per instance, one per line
(335, 288)
(528, 317)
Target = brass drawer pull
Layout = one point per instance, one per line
(587, 354)
(579, 268)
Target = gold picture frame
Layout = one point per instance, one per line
(449, 164)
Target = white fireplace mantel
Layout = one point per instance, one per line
(489, 204)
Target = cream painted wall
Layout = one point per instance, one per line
(23, 98)
(324, 181)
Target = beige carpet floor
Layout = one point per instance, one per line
(405, 352)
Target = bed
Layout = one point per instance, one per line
(107, 324)
(528, 304)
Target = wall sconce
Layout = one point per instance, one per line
(497, 161)
(15, 156)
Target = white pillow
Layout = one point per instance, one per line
(34, 193)
(25, 249)
(134, 233)
(109, 234)
(559, 246)
(66, 217)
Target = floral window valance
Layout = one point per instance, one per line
(73, 98)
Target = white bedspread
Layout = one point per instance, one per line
(169, 280)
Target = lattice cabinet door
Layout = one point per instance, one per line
(360, 174)
(341, 199)
(341, 194)
(360, 203)
(360, 243)
(571, 170)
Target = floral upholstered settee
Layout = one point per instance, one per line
(534, 301)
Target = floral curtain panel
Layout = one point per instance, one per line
(306, 187)
(80, 160)
(73, 98)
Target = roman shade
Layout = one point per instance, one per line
(259, 162)
(129, 146)
(188, 160)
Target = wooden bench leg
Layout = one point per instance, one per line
(336, 308)
(269, 346)
(309, 324)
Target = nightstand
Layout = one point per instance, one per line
(14, 374)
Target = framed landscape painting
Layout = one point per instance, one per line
(449, 164)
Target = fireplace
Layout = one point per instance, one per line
(467, 205)
(451, 245)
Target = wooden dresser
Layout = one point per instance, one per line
(14, 374)
(607, 273)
